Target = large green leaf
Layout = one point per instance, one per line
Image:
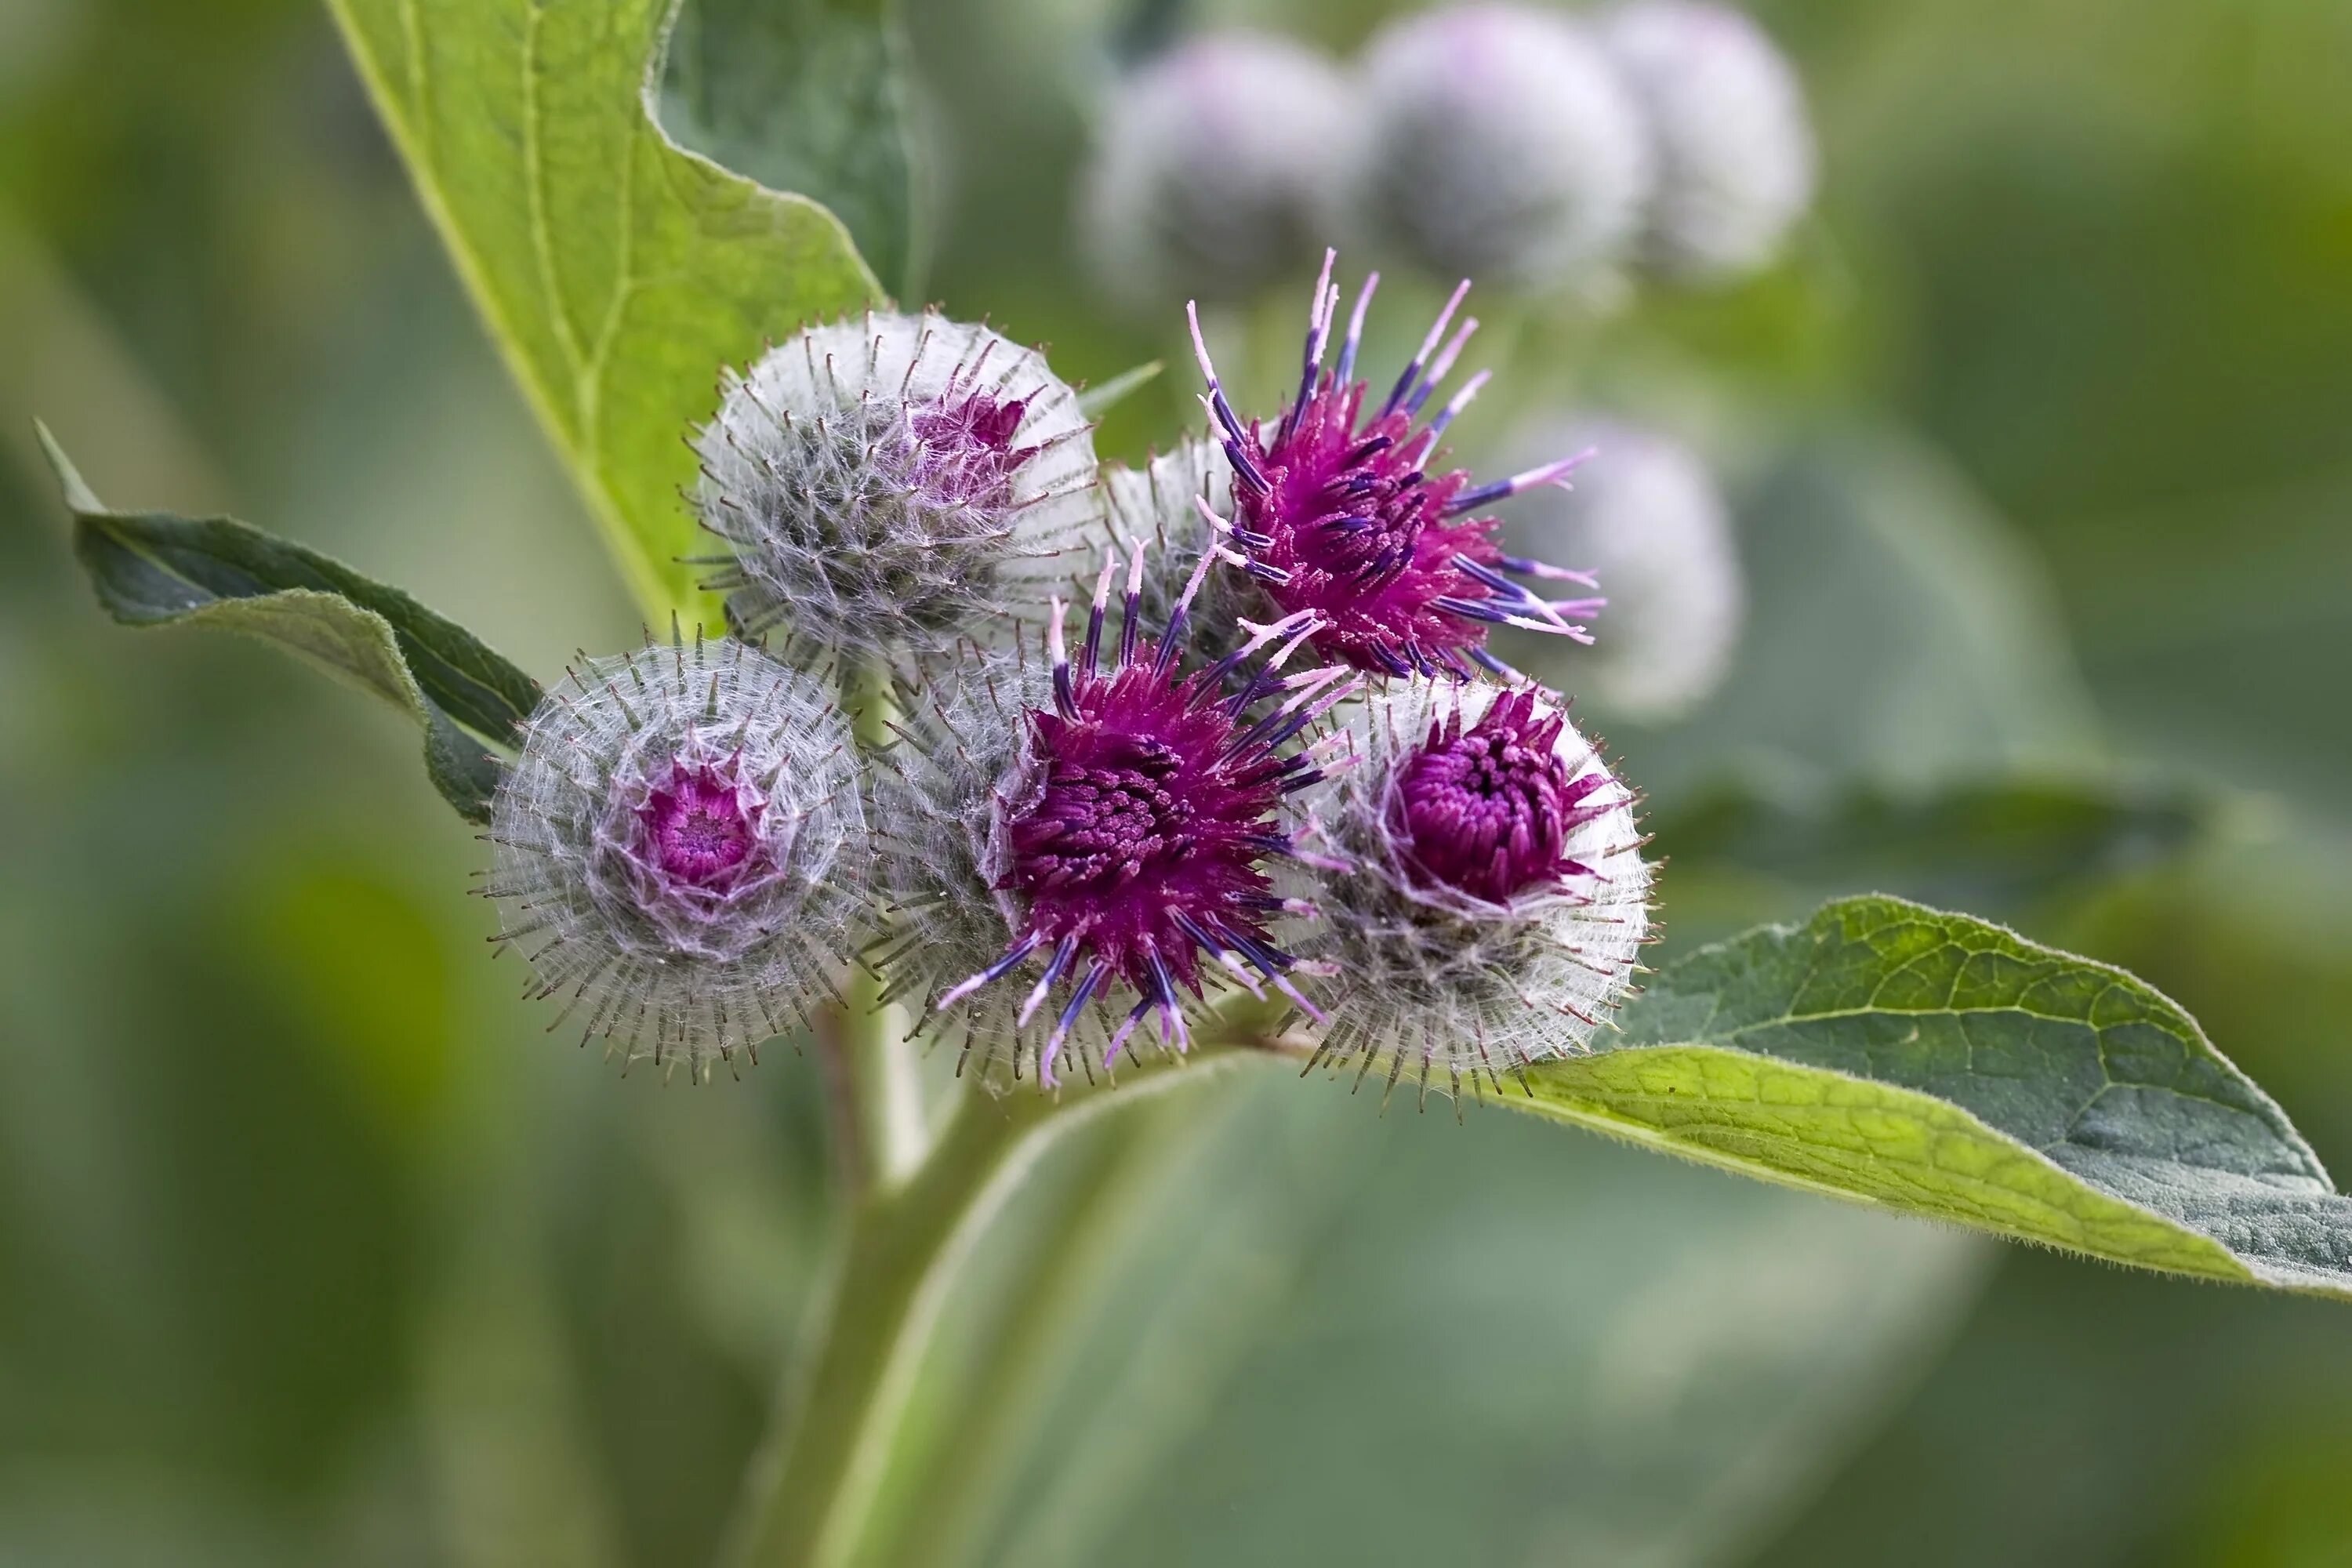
(617, 271)
(1936, 1065)
(153, 569)
(1764, 844)
(808, 96)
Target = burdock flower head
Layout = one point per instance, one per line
(1726, 115)
(888, 483)
(1343, 519)
(680, 849)
(1217, 168)
(1482, 893)
(1107, 830)
(1502, 144)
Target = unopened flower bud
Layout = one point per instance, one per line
(680, 849)
(1215, 171)
(1646, 517)
(1727, 118)
(888, 483)
(1503, 145)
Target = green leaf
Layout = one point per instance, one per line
(1763, 845)
(1096, 401)
(153, 569)
(1896, 628)
(806, 96)
(616, 270)
(1939, 1066)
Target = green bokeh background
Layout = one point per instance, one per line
(314, 1248)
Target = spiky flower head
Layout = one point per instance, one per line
(1648, 518)
(1502, 145)
(1480, 882)
(1108, 829)
(1346, 522)
(1726, 117)
(888, 483)
(680, 849)
(1168, 502)
(1216, 168)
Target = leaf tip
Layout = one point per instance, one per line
(78, 497)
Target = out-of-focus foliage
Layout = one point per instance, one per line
(313, 1248)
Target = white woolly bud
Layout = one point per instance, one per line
(1162, 503)
(1504, 146)
(681, 849)
(1216, 170)
(1645, 518)
(1727, 118)
(890, 483)
(1434, 979)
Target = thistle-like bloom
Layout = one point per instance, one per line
(1109, 829)
(1647, 516)
(1216, 168)
(1502, 145)
(1726, 115)
(1480, 883)
(1339, 517)
(890, 483)
(680, 849)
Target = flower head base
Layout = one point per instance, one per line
(888, 484)
(1339, 517)
(1125, 819)
(1481, 889)
(678, 849)
(1647, 516)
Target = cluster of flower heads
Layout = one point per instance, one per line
(1520, 145)
(1278, 758)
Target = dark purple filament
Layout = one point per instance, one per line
(1339, 517)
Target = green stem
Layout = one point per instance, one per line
(884, 1126)
(812, 1487)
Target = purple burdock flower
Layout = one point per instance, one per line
(1479, 881)
(1132, 828)
(1339, 517)
(1490, 810)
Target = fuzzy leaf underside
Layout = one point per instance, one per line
(1939, 1066)
(616, 270)
(153, 569)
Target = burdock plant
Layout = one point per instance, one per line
(1266, 795)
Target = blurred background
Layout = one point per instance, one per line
(2033, 445)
